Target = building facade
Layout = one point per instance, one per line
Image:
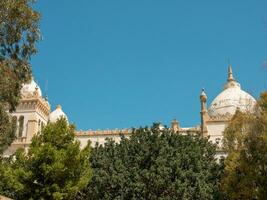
(33, 113)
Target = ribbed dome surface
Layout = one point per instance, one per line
(231, 98)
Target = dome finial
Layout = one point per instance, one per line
(203, 96)
(230, 74)
(231, 82)
(203, 93)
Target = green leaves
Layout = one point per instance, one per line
(7, 130)
(245, 173)
(154, 164)
(19, 32)
(53, 168)
(18, 29)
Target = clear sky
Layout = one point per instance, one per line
(129, 63)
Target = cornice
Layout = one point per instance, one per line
(220, 118)
(35, 103)
(116, 132)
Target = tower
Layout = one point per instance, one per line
(203, 112)
(31, 116)
(175, 125)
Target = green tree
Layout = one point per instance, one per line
(19, 32)
(53, 168)
(245, 173)
(154, 164)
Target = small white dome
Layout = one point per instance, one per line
(231, 98)
(31, 88)
(57, 114)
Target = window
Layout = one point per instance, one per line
(21, 124)
(15, 123)
(42, 126)
(39, 125)
(14, 120)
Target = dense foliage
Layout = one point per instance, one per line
(245, 173)
(7, 130)
(53, 168)
(154, 164)
(19, 33)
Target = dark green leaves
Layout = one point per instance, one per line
(19, 32)
(154, 164)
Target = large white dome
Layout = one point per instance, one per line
(31, 88)
(57, 114)
(231, 98)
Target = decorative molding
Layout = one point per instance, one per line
(216, 118)
(104, 132)
(117, 132)
(34, 103)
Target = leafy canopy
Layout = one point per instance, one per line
(154, 164)
(53, 168)
(19, 32)
(245, 173)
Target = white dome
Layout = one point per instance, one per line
(231, 98)
(57, 114)
(31, 88)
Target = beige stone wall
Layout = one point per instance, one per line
(100, 136)
(215, 131)
(101, 139)
(4, 198)
(35, 111)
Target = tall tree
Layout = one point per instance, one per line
(19, 32)
(53, 168)
(154, 164)
(245, 173)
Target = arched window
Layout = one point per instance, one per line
(15, 123)
(42, 126)
(21, 124)
(39, 125)
(14, 120)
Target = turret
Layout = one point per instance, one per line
(203, 100)
(175, 125)
(31, 116)
(203, 112)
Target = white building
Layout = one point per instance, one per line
(33, 113)
(215, 119)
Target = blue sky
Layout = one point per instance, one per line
(122, 63)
